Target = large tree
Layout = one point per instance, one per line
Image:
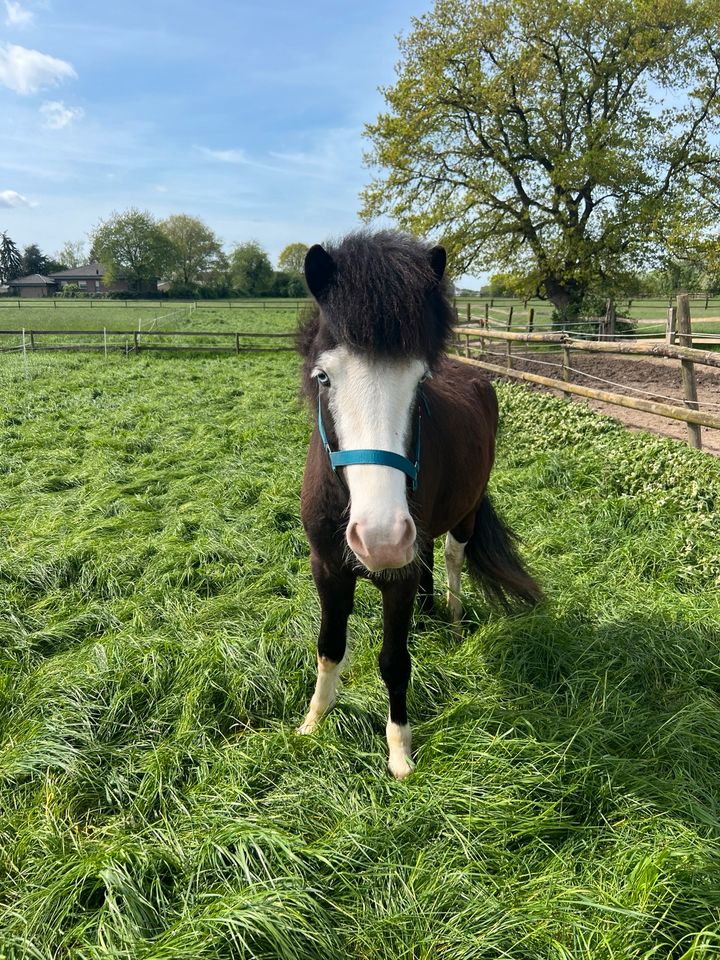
(251, 270)
(10, 259)
(73, 253)
(197, 248)
(35, 261)
(567, 141)
(292, 258)
(132, 245)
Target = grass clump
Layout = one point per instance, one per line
(157, 624)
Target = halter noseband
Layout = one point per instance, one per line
(383, 458)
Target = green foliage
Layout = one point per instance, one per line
(133, 246)
(529, 136)
(35, 261)
(251, 270)
(10, 260)
(158, 620)
(292, 258)
(73, 253)
(288, 284)
(197, 249)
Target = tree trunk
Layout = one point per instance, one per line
(566, 296)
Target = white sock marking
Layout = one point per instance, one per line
(324, 695)
(399, 740)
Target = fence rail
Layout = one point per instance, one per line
(678, 326)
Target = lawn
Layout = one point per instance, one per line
(157, 620)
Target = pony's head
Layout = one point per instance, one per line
(381, 322)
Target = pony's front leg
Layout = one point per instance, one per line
(398, 599)
(336, 591)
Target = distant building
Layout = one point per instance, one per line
(34, 285)
(88, 278)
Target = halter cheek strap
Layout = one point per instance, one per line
(383, 458)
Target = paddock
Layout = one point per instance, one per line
(158, 623)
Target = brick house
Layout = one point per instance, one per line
(89, 279)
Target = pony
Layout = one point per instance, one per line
(401, 453)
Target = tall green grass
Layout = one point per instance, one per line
(157, 624)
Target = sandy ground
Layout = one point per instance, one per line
(658, 378)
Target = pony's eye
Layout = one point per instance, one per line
(322, 378)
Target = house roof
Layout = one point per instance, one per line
(88, 271)
(32, 280)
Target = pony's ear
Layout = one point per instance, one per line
(438, 259)
(319, 270)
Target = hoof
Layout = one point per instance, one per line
(307, 726)
(399, 740)
(400, 767)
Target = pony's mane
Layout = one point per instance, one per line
(384, 299)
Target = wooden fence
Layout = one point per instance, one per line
(472, 340)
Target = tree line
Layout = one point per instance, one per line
(140, 249)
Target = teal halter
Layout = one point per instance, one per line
(383, 458)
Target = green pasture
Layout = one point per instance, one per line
(157, 626)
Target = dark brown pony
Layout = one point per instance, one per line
(401, 454)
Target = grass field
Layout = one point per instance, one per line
(157, 623)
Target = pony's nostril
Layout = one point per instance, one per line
(354, 539)
(408, 535)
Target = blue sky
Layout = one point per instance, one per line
(246, 114)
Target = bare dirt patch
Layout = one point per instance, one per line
(649, 378)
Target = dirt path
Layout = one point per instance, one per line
(658, 379)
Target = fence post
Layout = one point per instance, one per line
(508, 343)
(566, 370)
(487, 316)
(687, 368)
(671, 325)
(237, 343)
(135, 342)
(32, 341)
(531, 320)
(610, 319)
(469, 313)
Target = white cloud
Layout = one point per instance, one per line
(226, 156)
(27, 71)
(57, 115)
(11, 198)
(17, 16)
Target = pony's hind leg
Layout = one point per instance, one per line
(454, 556)
(336, 603)
(398, 599)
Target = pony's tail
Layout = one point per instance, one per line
(494, 563)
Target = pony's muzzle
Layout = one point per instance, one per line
(386, 546)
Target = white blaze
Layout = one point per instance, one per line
(371, 401)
